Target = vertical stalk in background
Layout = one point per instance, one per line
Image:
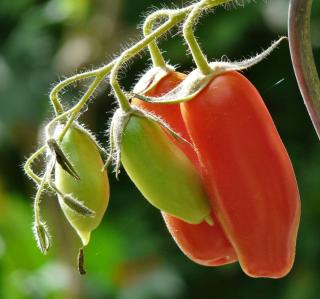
(302, 57)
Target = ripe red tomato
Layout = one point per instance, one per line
(247, 173)
(202, 243)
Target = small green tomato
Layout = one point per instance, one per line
(85, 199)
(161, 171)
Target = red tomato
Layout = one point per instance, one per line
(202, 243)
(247, 173)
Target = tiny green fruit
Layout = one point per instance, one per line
(84, 200)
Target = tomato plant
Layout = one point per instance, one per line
(204, 149)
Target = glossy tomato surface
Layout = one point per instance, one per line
(247, 173)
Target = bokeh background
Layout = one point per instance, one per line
(131, 254)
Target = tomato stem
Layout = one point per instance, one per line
(188, 34)
(54, 94)
(155, 53)
(27, 166)
(302, 57)
(37, 200)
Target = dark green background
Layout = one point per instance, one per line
(131, 255)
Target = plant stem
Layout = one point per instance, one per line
(80, 104)
(37, 200)
(198, 56)
(155, 53)
(54, 94)
(302, 57)
(195, 49)
(27, 165)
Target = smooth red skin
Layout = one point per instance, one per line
(247, 173)
(204, 244)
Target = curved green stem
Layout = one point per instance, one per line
(79, 106)
(174, 17)
(155, 53)
(195, 49)
(197, 54)
(37, 200)
(27, 166)
(302, 58)
(120, 95)
(54, 94)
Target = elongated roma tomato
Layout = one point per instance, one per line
(202, 243)
(162, 173)
(93, 187)
(247, 173)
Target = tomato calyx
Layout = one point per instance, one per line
(76, 206)
(42, 236)
(195, 82)
(61, 158)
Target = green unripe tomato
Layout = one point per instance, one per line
(92, 189)
(161, 171)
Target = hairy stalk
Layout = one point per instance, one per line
(27, 166)
(80, 105)
(37, 200)
(54, 94)
(188, 34)
(155, 53)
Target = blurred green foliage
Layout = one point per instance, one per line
(131, 255)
